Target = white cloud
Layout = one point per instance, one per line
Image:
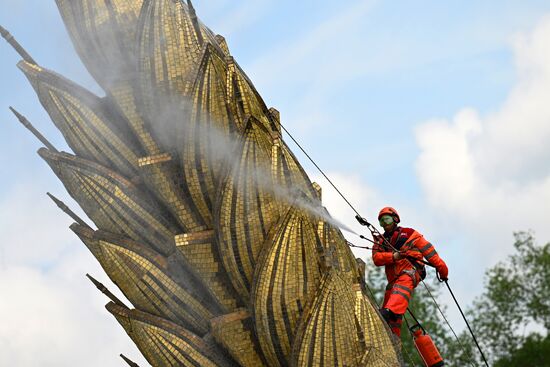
(52, 319)
(364, 198)
(367, 201)
(50, 314)
(32, 229)
(490, 174)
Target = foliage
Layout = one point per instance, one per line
(535, 351)
(516, 301)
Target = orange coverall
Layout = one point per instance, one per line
(402, 275)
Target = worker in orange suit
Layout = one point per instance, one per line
(403, 270)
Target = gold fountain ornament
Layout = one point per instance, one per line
(205, 219)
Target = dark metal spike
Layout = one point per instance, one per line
(106, 291)
(33, 130)
(68, 211)
(130, 362)
(195, 20)
(13, 42)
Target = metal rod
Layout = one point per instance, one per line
(61, 205)
(13, 42)
(25, 122)
(127, 360)
(106, 291)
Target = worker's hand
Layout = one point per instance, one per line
(416, 255)
(443, 272)
(397, 256)
(362, 221)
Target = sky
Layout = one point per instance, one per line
(439, 109)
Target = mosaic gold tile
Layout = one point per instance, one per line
(286, 278)
(166, 344)
(235, 332)
(143, 276)
(89, 129)
(246, 210)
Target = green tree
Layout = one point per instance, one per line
(512, 317)
(535, 351)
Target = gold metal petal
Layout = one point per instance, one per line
(164, 343)
(169, 52)
(380, 346)
(112, 202)
(162, 175)
(84, 120)
(207, 136)
(328, 335)
(287, 276)
(103, 33)
(143, 275)
(245, 99)
(288, 173)
(235, 332)
(246, 209)
(337, 248)
(201, 252)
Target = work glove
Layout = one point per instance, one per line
(396, 256)
(410, 254)
(443, 272)
(362, 221)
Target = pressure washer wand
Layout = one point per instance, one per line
(374, 231)
(410, 258)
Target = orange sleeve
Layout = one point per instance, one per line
(430, 254)
(380, 257)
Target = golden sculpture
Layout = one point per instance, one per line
(201, 208)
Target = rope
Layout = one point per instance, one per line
(414, 318)
(448, 323)
(361, 247)
(320, 170)
(369, 225)
(467, 323)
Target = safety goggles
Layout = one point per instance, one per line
(385, 220)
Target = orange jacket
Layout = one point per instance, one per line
(405, 239)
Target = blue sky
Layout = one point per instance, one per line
(437, 108)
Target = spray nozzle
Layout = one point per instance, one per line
(362, 221)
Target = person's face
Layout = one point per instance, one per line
(387, 222)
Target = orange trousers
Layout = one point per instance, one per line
(396, 299)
